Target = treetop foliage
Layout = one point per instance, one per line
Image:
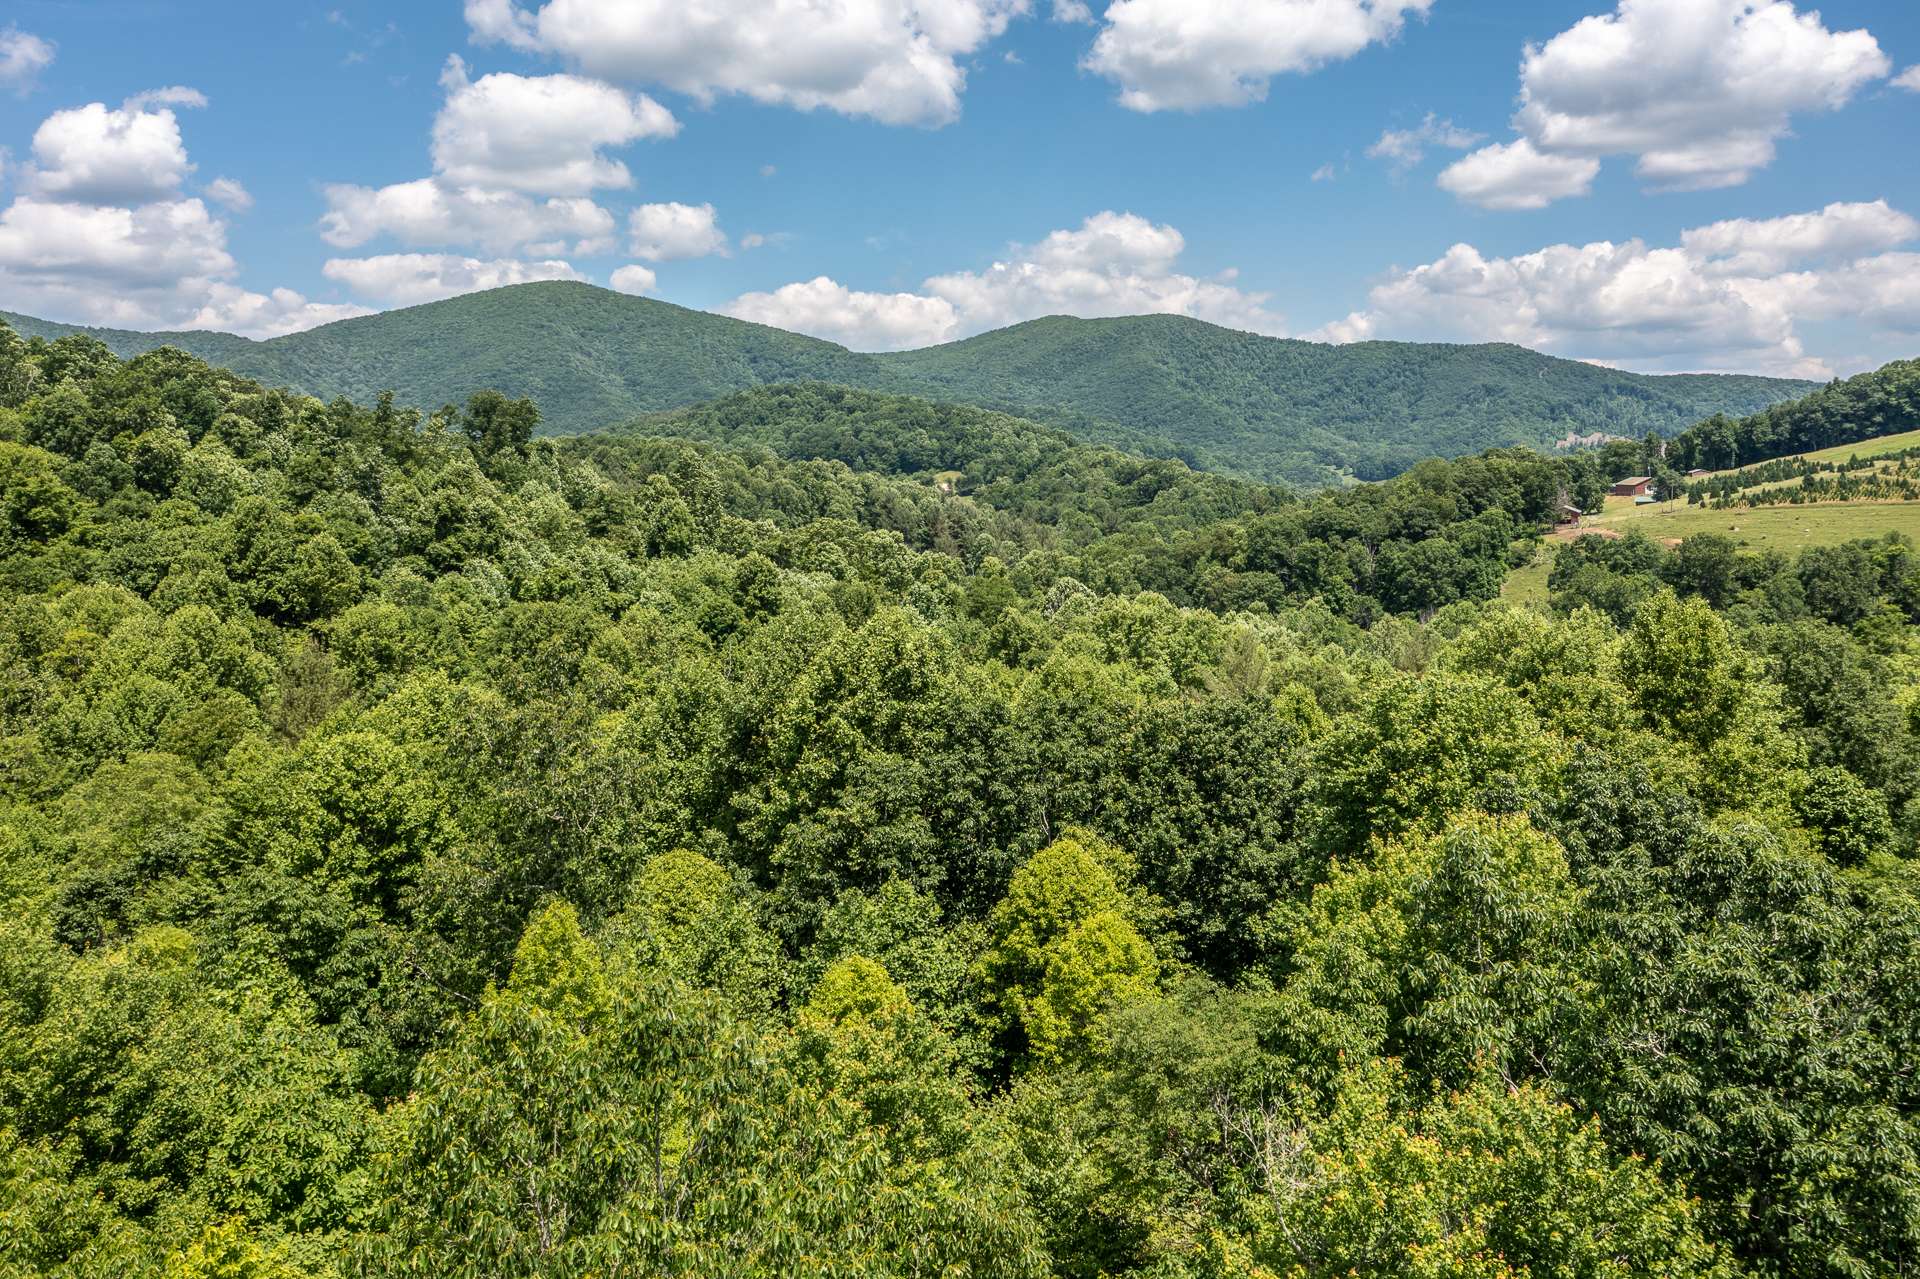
(828, 833)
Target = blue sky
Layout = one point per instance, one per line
(1665, 184)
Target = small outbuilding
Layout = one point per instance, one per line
(1568, 513)
(1632, 486)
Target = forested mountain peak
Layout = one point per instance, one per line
(1229, 401)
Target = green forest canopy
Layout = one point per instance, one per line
(427, 849)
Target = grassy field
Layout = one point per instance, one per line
(1527, 586)
(1764, 528)
(1780, 528)
(1878, 447)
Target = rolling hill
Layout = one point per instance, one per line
(589, 357)
(1269, 408)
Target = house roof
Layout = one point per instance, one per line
(1636, 479)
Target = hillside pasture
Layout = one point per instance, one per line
(1788, 529)
(1779, 528)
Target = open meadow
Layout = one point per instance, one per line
(1764, 528)
(1788, 529)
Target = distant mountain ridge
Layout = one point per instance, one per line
(1239, 403)
(1271, 407)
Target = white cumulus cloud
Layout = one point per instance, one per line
(515, 158)
(408, 279)
(1698, 91)
(670, 231)
(102, 235)
(97, 154)
(84, 245)
(431, 213)
(158, 265)
(1730, 296)
(896, 61)
(633, 278)
(1770, 246)
(23, 56)
(864, 321)
(542, 134)
(1112, 264)
(1188, 54)
(1883, 290)
(1513, 175)
(1908, 79)
(231, 309)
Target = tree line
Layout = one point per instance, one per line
(1882, 402)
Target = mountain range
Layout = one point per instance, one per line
(1223, 400)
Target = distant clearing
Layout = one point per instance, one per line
(1527, 585)
(1878, 447)
(1760, 528)
(1781, 528)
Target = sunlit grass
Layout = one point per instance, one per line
(1784, 528)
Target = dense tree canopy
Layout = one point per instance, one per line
(863, 838)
